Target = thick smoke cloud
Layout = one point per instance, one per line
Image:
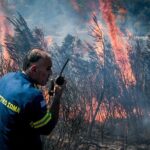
(56, 18)
(137, 18)
(61, 17)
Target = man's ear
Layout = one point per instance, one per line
(33, 68)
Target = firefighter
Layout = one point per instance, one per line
(24, 114)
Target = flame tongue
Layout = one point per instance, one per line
(119, 43)
(4, 30)
(116, 111)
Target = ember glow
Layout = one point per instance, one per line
(118, 41)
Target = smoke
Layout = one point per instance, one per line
(137, 18)
(59, 18)
(132, 15)
(56, 18)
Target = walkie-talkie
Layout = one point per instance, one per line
(59, 81)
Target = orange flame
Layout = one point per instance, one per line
(119, 43)
(122, 11)
(105, 111)
(49, 40)
(4, 30)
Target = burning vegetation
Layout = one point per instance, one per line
(106, 103)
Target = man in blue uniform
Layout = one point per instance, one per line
(24, 115)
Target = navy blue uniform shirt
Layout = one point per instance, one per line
(23, 114)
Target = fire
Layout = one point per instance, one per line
(4, 30)
(49, 40)
(122, 11)
(121, 15)
(106, 111)
(119, 43)
(129, 35)
(101, 115)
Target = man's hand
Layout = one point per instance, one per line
(57, 86)
(56, 92)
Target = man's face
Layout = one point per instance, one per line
(43, 71)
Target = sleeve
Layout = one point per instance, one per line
(41, 120)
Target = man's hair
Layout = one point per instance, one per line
(34, 56)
